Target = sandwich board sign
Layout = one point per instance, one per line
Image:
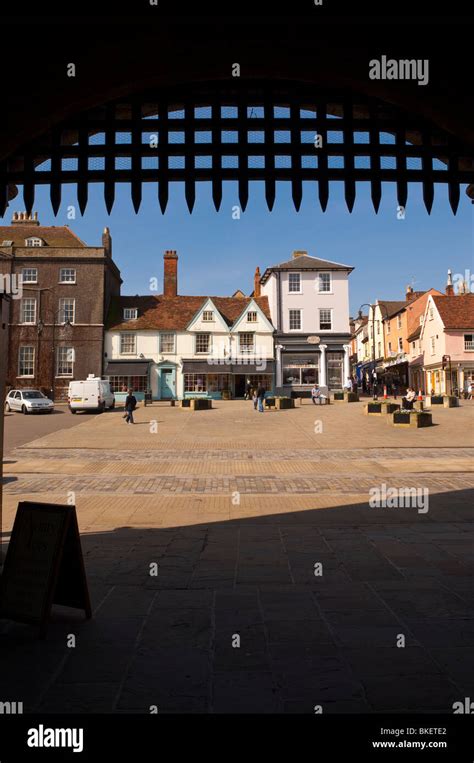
(43, 565)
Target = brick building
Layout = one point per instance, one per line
(61, 289)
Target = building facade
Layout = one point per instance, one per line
(447, 343)
(309, 306)
(179, 346)
(61, 290)
(415, 311)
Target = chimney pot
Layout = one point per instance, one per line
(449, 291)
(107, 242)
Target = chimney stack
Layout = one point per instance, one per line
(22, 218)
(107, 242)
(299, 253)
(170, 279)
(409, 294)
(256, 283)
(449, 285)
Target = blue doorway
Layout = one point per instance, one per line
(167, 383)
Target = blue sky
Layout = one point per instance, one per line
(218, 254)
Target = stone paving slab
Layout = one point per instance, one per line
(236, 619)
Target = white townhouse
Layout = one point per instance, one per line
(309, 306)
(178, 345)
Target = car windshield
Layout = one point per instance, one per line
(33, 395)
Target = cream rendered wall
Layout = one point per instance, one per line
(310, 301)
(147, 344)
(270, 289)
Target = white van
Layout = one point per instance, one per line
(92, 394)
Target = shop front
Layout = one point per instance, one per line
(128, 374)
(417, 376)
(395, 373)
(300, 370)
(322, 365)
(226, 380)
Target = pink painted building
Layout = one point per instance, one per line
(447, 342)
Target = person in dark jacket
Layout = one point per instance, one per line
(130, 405)
(261, 397)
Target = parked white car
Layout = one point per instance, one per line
(93, 394)
(28, 401)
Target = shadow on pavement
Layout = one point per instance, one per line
(241, 617)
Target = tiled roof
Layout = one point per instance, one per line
(415, 309)
(175, 313)
(305, 262)
(59, 236)
(392, 307)
(456, 312)
(414, 334)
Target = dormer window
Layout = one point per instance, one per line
(130, 313)
(208, 315)
(34, 241)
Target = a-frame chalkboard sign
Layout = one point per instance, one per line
(43, 565)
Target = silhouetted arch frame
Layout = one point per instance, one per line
(253, 107)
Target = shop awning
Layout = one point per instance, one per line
(263, 367)
(127, 368)
(203, 367)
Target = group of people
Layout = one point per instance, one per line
(256, 394)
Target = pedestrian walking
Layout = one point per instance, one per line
(248, 390)
(260, 397)
(374, 385)
(254, 399)
(130, 405)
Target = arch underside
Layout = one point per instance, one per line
(242, 131)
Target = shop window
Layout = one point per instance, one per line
(124, 383)
(195, 382)
(298, 370)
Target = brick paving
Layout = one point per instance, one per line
(236, 619)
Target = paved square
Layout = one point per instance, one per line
(279, 588)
